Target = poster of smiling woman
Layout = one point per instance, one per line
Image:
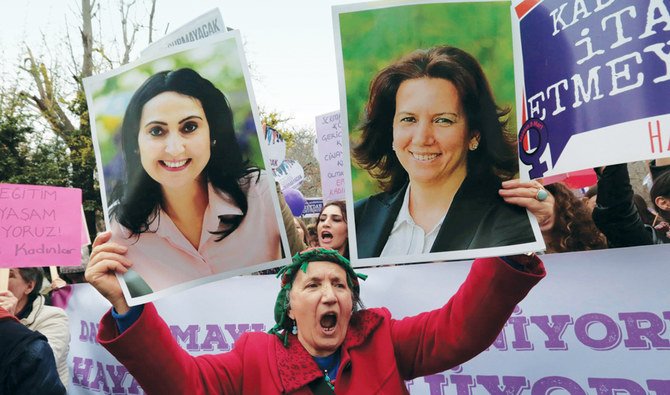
(184, 186)
(427, 89)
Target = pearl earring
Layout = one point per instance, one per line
(295, 329)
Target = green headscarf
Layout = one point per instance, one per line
(288, 273)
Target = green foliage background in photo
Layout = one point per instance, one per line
(373, 39)
(218, 62)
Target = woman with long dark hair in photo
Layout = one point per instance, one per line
(189, 203)
(436, 143)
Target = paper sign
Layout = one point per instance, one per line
(36, 226)
(276, 147)
(313, 207)
(289, 174)
(594, 85)
(331, 156)
(200, 28)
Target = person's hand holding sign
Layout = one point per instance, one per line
(532, 196)
(106, 260)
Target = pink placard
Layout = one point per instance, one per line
(331, 163)
(39, 226)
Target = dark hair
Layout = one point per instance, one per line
(496, 152)
(35, 274)
(661, 188)
(574, 229)
(343, 208)
(139, 196)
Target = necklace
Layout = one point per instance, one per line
(330, 364)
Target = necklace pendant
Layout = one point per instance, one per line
(328, 381)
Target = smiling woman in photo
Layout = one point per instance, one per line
(435, 141)
(189, 203)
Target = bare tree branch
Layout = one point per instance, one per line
(151, 20)
(87, 38)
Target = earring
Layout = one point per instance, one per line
(295, 329)
(474, 146)
(213, 143)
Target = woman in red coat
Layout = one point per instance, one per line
(323, 342)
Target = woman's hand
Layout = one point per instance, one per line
(8, 301)
(108, 258)
(524, 194)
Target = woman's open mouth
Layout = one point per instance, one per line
(174, 165)
(328, 323)
(326, 236)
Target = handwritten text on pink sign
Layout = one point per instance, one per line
(39, 226)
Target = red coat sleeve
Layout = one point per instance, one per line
(162, 366)
(471, 320)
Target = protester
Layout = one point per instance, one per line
(617, 216)
(322, 337)
(188, 193)
(332, 228)
(435, 140)
(27, 365)
(573, 228)
(27, 305)
(660, 195)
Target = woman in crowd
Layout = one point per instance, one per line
(573, 228)
(435, 140)
(332, 228)
(660, 195)
(324, 342)
(188, 193)
(24, 301)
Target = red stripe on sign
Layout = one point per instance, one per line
(526, 141)
(525, 6)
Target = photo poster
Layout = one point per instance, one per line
(40, 226)
(592, 82)
(330, 155)
(371, 36)
(164, 259)
(200, 28)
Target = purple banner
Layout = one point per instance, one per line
(590, 64)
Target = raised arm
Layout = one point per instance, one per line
(615, 213)
(146, 348)
(438, 340)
